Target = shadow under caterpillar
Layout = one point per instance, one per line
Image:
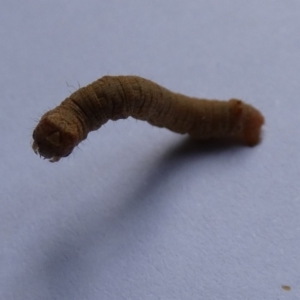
(118, 97)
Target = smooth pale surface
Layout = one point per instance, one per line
(139, 212)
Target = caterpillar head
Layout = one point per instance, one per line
(54, 137)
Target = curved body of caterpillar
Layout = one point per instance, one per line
(118, 97)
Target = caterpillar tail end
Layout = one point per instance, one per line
(252, 127)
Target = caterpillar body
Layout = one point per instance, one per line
(118, 97)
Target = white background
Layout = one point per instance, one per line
(139, 212)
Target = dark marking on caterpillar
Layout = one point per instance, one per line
(118, 97)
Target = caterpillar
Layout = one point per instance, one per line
(118, 97)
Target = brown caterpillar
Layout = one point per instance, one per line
(118, 97)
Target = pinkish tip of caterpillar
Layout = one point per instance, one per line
(252, 126)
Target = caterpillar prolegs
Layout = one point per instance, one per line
(118, 97)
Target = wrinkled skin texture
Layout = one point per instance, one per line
(118, 97)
